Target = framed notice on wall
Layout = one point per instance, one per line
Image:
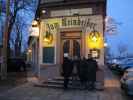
(95, 53)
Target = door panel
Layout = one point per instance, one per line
(72, 47)
(66, 46)
(76, 48)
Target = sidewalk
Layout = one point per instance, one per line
(14, 79)
(27, 91)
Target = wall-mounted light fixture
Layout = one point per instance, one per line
(34, 23)
(43, 11)
(48, 37)
(105, 44)
(95, 40)
(94, 36)
(29, 50)
(34, 29)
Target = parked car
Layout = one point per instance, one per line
(16, 64)
(120, 65)
(127, 81)
(125, 65)
(113, 64)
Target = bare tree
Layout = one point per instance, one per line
(16, 39)
(0, 8)
(19, 35)
(123, 50)
(111, 25)
(16, 9)
(108, 53)
(12, 9)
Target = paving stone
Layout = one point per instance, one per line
(29, 92)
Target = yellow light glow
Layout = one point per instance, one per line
(46, 39)
(51, 40)
(95, 42)
(43, 11)
(34, 22)
(29, 51)
(105, 44)
(94, 39)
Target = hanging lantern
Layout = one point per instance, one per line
(34, 29)
(94, 36)
(48, 37)
(95, 40)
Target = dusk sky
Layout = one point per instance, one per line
(121, 11)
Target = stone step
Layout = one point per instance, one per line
(48, 85)
(62, 78)
(57, 82)
(60, 82)
(58, 86)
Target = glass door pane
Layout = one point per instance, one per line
(76, 48)
(66, 47)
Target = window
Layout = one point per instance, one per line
(70, 12)
(48, 55)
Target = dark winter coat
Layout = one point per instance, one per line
(83, 70)
(67, 67)
(92, 68)
(76, 64)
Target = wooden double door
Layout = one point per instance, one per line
(72, 47)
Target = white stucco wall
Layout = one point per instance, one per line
(97, 19)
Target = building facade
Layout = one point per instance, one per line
(68, 27)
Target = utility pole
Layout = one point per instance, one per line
(5, 38)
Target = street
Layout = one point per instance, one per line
(27, 91)
(66, 50)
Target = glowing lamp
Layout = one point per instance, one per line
(95, 40)
(105, 44)
(29, 50)
(94, 36)
(48, 37)
(43, 11)
(34, 29)
(34, 23)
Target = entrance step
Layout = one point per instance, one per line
(58, 83)
(49, 85)
(58, 86)
(62, 78)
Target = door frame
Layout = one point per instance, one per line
(69, 36)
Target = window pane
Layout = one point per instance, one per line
(48, 55)
(76, 48)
